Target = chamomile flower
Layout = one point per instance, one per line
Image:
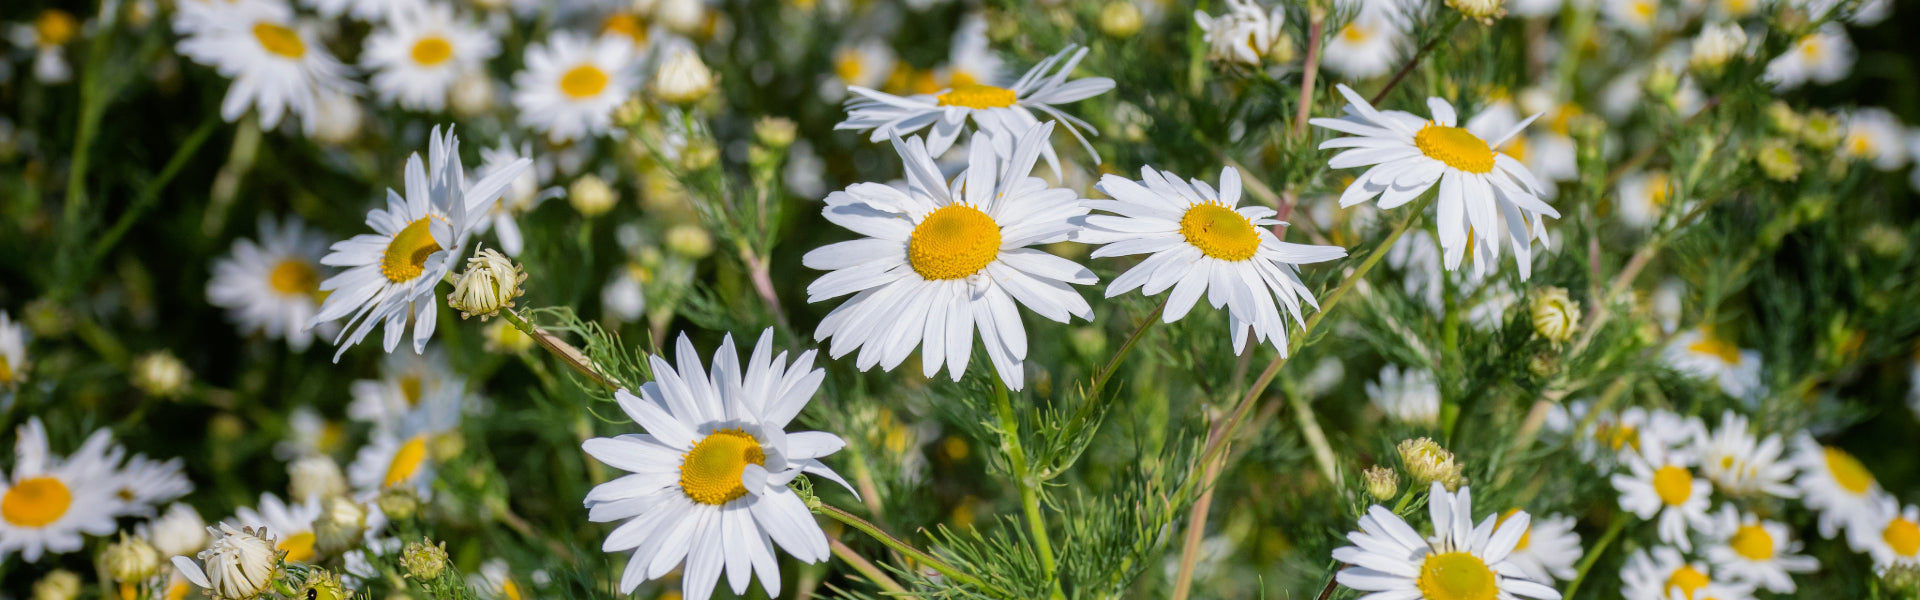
(49, 501)
(1704, 354)
(48, 35)
(1660, 483)
(1834, 484)
(1889, 532)
(1876, 136)
(942, 259)
(1460, 560)
(494, 581)
(1409, 396)
(406, 381)
(271, 286)
(1202, 242)
(403, 456)
(391, 274)
(290, 524)
(1547, 550)
(1743, 464)
(864, 63)
(1824, 56)
(1633, 16)
(372, 11)
(278, 66)
(1003, 113)
(1763, 554)
(13, 352)
(418, 55)
(522, 195)
(143, 483)
(572, 83)
(1479, 187)
(1369, 46)
(709, 483)
(1664, 574)
(1243, 34)
(1611, 436)
(1643, 197)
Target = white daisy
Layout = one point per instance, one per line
(1822, 57)
(1479, 187)
(419, 53)
(272, 286)
(178, 531)
(406, 381)
(1243, 34)
(1760, 553)
(1660, 482)
(1743, 464)
(1370, 46)
(49, 501)
(1202, 242)
(1547, 550)
(1664, 575)
(392, 273)
(1004, 113)
(290, 524)
(1611, 436)
(709, 483)
(1889, 532)
(277, 64)
(970, 59)
(1410, 396)
(520, 198)
(372, 11)
(1633, 16)
(13, 352)
(1834, 484)
(1703, 354)
(309, 433)
(402, 455)
(864, 63)
(143, 483)
(944, 259)
(571, 84)
(48, 35)
(1459, 561)
(1643, 197)
(494, 581)
(1874, 135)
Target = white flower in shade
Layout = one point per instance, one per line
(418, 55)
(277, 65)
(406, 382)
(865, 63)
(291, 525)
(1664, 574)
(942, 259)
(1743, 464)
(1704, 354)
(1746, 549)
(179, 530)
(522, 195)
(1643, 197)
(1370, 46)
(391, 274)
(48, 35)
(1874, 135)
(49, 501)
(143, 483)
(1660, 483)
(1460, 560)
(1822, 57)
(1834, 484)
(709, 483)
(970, 57)
(1243, 34)
(239, 564)
(1611, 435)
(1005, 114)
(272, 286)
(372, 11)
(1547, 550)
(1632, 16)
(572, 83)
(1889, 532)
(1480, 188)
(625, 298)
(1202, 242)
(402, 456)
(1718, 44)
(13, 352)
(494, 581)
(1409, 396)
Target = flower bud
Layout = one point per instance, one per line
(179, 531)
(471, 95)
(699, 154)
(1555, 316)
(1822, 130)
(446, 446)
(239, 565)
(160, 374)
(1662, 83)
(61, 584)
(1782, 118)
(1382, 483)
(1884, 240)
(1716, 45)
(682, 79)
(591, 196)
(689, 240)
(1484, 11)
(684, 17)
(339, 526)
(774, 132)
(490, 284)
(131, 559)
(315, 476)
(1428, 463)
(337, 119)
(1120, 19)
(1778, 160)
(320, 584)
(424, 560)
(398, 503)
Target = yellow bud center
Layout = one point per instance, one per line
(432, 50)
(299, 547)
(408, 252)
(406, 461)
(1847, 471)
(1456, 576)
(36, 502)
(1714, 346)
(625, 24)
(1903, 536)
(279, 40)
(1673, 484)
(953, 242)
(975, 95)
(710, 473)
(1752, 541)
(1220, 232)
(1456, 147)
(584, 81)
(1356, 33)
(1688, 580)
(55, 27)
(294, 277)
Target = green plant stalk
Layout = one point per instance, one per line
(865, 567)
(1113, 363)
(918, 555)
(151, 192)
(1023, 479)
(1586, 564)
(553, 345)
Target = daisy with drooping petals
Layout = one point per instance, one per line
(1664, 574)
(1834, 484)
(290, 524)
(943, 259)
(1824, 56)
(1547, 550)
(272, 286)
(709, 483)
(1755, 552)
(1743, 464)
(1480, 188)
(419, 54)
(1660, 482)
(391, 274)
(1890, 533)
(277, 65)
(1701, 353)
(1004, 113)
(572, 83)
(1202, 242)
(49, 501)
(1459, 561)
(13, 352)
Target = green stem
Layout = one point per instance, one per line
(1316, 438)
(918, 555)
(1445, 30)
(1613, 531)
(865, 567)
(1113, 364)
(559, 349)
(151, 192)
(1023, 477)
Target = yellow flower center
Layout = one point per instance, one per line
(432, 50)
(625, 24)
(299, 547)
(1355, 34)
(294, 277)
(1619, 436)
(1657, 192)
(975, 95)
(406, 461)
(954, 241)
(849, 66)
(710, 474)
(1903, 536)
(279, 40)
(584, 81)
(178, 590)
(1810, 46)
(1847, 471)
(509, 590)
(410, 390)
(1220, 232)
(1456, 576)
(55, 27)
(1526, 537)
(1688, 580)
(407, 254)
(1673, 484)
(1860, 145)
(1753, 542)
(6, 370)
(1712, 345)
(36, 502)
(1456, 147)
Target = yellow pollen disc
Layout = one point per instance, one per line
(299, 547)
(1644, 9)
(1220, 232)
(1847, 471)
(1811, 47)
(1657, 191)
(1753, 542)
(1456, 576)
(849, 66)
(36, 502)
(1456, 147)
(407, 254)
(410, 390)
(432, 50)
(1619, 436)
(1526, 537)
(1860, 145)
(279, 40)
(294, 277)
(1903, 536)
(178, 590)
(710, 474)
(1355, 34)
(55, 27)
(1716, 347)
(406, 461)
(974, 95)
(625, 24)
(953, 242)
(509, 590)
(1673, 484)
(6, 370)
(1688, 580)
(584, 81)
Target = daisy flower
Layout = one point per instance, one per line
(48, 36)
(1004, 113)
(401, 456)
(1743, 464)
(419, 54)
(1824, 56)
(391, 273)
(290, 524)
(405, 381)
(1660, 482)
(1890, 533)
(1367, 47)
(971, 59)
(1611, 436)
(494, 581)
(1874, 135)
(277, 65)
(1633, 16)
(13, 352)
(1643, 197)
(272, 286)
(371, 11)
(1834, 484)
(1479, 187)
(143, 483)
(1202, 242)
(865, 63)
(709, 482)
(942, 259)
(1547, 550)
(49, 501)
(1410, 396)
(522, 195)
(1459, 561)
(1534, 8)
(1243, 34)
(1703, 354)
(1755, 552)
(572, 83)
(1664, 575)
(627, 27)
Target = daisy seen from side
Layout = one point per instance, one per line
(1834, 484)
(1547, 550)
(1705, 354)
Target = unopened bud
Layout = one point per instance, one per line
(340, 526)
(1555, 316)
(489, 284)
(1120, 19)
(1778, 160)
(689, 240)
(398, 503)
(1484, 11)
(160, 374)
(683, 78)
(1382, 483)
(471, 95)
(424, 560)
(774, 132)
(58, 585)
(1822, 130)
(1429, 463)
(131, 559)
(315, 476)
(591, 195)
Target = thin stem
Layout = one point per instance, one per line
(1316, 438)
(1593, 556)
(918, 555)
(151, 192)
(865, 567)
(1307, 80)
(1196, 526)
(1113, 364)
(1023, 477)
(757, 271)
(1452, 22)
(559, 349)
